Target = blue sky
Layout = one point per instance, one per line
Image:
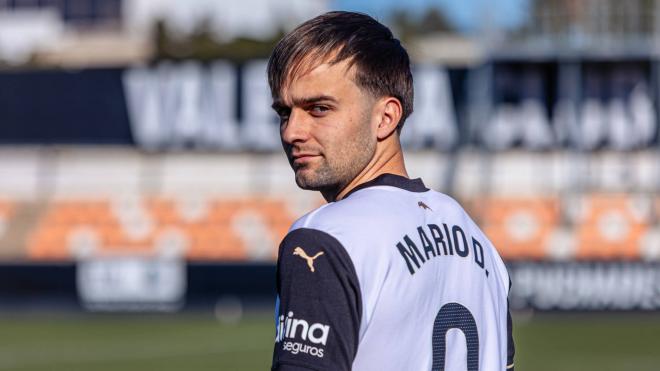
(466, 14)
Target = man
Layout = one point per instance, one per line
(388, 275)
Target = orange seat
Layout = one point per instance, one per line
(48, 243)
(163, 211)
(7, 208)
(211, 237)
(519, 228)
(610, 228)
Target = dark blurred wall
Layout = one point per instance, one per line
(48, 107)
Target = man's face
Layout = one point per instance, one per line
(326, 127)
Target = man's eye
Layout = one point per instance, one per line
(319, 110)
(283, 114)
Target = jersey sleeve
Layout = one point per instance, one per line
(319, 311)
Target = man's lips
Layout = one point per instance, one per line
(301, 158)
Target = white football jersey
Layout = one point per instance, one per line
(392, 277)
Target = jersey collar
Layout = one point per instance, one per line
(398, 181)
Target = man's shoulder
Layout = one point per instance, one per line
(346, 213)
(373, 204)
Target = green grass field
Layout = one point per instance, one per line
(600, 342)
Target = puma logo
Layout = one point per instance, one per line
(423, 206)
(310, 261)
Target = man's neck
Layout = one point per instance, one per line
(384, 162)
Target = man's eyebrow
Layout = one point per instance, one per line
(314, 99)
(279, 104)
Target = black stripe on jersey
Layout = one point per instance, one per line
(320, 304)
(511, 347)
(411, 185)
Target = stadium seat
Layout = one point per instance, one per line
(610, 226)
(163, 211)
(520, 228)
(6, 211)
(234, 229)
(48, 243)
(6, 207)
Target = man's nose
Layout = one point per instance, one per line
(295, 129)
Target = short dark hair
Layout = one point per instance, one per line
(382, 64)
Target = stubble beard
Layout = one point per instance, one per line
(336, 171)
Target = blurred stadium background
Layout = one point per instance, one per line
(143, 193)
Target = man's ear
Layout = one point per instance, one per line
(389, 114)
